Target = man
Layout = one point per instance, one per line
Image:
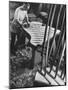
(21, 14)
(20, 17)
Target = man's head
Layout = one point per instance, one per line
(25, 6)
(28, 6)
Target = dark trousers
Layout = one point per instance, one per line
(12, 43)
(18, 31)
(15, 44)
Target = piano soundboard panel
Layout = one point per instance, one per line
(36, 30)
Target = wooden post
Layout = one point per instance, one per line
(60, 37)
(48, 39)
(54, 36)
(44, 41)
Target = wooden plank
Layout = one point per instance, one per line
(40, 78)
(52, 81)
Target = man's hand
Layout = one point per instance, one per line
(27, 25)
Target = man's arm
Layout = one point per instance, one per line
(27, 18)
(16, 16)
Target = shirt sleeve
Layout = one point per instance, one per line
(16, 16)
